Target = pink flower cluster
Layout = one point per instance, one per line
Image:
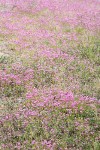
(13, 78)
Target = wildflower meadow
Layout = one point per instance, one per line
(49, 75)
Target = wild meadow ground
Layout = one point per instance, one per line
(50, 75)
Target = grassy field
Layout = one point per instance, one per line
(50, 75)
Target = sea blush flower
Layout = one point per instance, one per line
(33, 142)
(74, 104)
(69, 96)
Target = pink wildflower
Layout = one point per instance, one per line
(69, 96)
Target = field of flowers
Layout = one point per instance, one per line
(49, 75)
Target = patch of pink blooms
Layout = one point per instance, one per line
(18, 79)
(83, 13)
(61, 99)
